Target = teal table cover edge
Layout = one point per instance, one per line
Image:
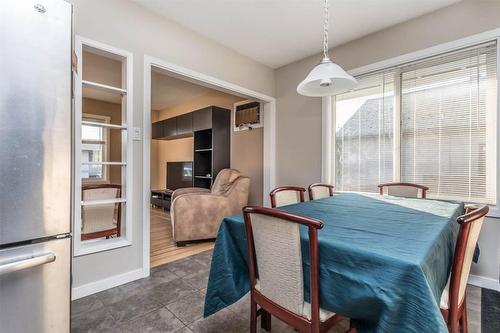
(384, 261)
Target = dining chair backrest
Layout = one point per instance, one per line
(405, 190)
(286, 195)
(319, 191)
(274, 247)
(101, 218)
(470, 227)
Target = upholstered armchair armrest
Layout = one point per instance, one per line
(189, 190)
(198, 215)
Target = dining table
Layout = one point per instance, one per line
(383, 260)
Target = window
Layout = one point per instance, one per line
(364, 134)
(431, 122)
(94, 149)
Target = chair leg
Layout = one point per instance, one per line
(265, 321)
(253, 317)
(463, 320)
(453, 327)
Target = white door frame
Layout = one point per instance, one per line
(269, 164)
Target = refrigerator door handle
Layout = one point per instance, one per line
(27, 263)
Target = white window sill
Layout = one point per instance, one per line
(100, 245)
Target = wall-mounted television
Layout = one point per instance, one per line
(179, 175)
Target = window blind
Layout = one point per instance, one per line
(448, 124)
(364, 134)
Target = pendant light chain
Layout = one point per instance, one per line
(325, 31)
(326, 78)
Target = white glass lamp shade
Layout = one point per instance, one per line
(326, 79)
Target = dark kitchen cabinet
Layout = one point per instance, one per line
(185, 125)
(170, 127)
(202, 119)
(157, 130)
(211, 128)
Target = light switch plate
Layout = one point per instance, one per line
(137, 135)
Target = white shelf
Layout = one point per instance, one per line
(104, 163)
(102, 202)
(105, 125)
(103, 87)
(202, 177)
(206, 149)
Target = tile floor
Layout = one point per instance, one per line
(171, 301)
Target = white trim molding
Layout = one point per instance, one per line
(484, 282)
(269, 105)
(107, 283)
(126, 91)
(327, 139)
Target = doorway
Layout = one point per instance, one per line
(172, 94)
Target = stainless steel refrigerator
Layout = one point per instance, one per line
(35, 165)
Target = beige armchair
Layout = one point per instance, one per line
(196, 213)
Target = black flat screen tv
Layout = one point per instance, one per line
(179, 175)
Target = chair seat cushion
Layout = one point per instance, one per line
(445, 297)
(324, 315)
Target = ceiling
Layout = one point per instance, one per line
(167, 91)
(278, 32)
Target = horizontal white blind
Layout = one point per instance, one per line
(364, 134)
(448, 124)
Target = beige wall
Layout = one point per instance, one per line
(246, 146)
(299, 118)
(114, 111)
(126, 25)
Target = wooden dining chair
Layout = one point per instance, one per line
(319, 191)
(286, 195)
(103, 220)
(276, 275)
(453, 299)
(406, 190)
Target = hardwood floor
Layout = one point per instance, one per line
(163, 249)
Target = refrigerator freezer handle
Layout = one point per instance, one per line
(27, 263)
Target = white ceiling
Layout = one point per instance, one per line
(278, 32)
(167, 91)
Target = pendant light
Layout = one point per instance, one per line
(327, 78)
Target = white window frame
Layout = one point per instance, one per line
(328, 106)
(92, 246)
(105, 120)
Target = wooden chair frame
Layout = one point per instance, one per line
(456, 314)
(298, 189)
(267, 306)
(110, 232)
(310, 189)
(420, 187)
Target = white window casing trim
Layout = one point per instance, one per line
(328, 137)
(93, 246)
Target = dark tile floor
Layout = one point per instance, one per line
(171, 301)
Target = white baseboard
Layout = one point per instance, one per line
(484, 282)
(110, 282)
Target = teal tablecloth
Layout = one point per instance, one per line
(384, 261)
